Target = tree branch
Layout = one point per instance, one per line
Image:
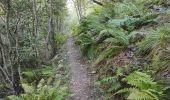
(97, 2)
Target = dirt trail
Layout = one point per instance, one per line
(80, 79)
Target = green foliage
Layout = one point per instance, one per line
(109, 52)
(53, 84)
(130, 23)
(137, 36)
(155, 42)
(26, 27)
(34, 75)
(142, 87)
(154, 47)
(136, 94)
(89, 27)
(100, 24)
(86, 43)
(113, 81)
(115, 36)
(127, 8)
(60, 38)
(43, 91)
(134, 7)
(90, 24)
(136, 78)
(116, 27)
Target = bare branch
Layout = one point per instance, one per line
(97, 2)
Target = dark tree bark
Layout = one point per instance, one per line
(52, 41)
(97, 2)
(50, 38)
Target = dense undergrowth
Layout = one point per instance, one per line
(32, 63)
(48, 82)
(128, 42)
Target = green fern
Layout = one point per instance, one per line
(154, 42)
(109, 52)
(130, 23)
(137, 36)
(86, 43)
(108, 80)
(31, 75)
(142, 87)
(154, 47)
(114, 82)
(117, 40)
(43, 92)
(28, 89)
(136, 94)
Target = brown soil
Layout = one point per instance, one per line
(80, 82)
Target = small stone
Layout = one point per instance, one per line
(93, 72)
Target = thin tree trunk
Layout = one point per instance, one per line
(79, 6)
(7, 22)
(35, 33)
(52, 42)
(77, 11)
(17, 49)
(47, 41)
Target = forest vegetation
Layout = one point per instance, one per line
(125, 42)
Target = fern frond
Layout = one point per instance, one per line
(136, 94)
(108, 80)
(140, 95)
(153, 43)
(109, 52)
(126, 90)
(115, 86)
(151, 93)
(28, 88)
(140, 80)
(13, 97)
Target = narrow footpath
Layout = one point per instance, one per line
(80, 79)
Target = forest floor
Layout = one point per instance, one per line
(81, 80)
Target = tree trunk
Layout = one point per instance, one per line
(35, 33)
(50, 38)
(52, 41)
(97, 2)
